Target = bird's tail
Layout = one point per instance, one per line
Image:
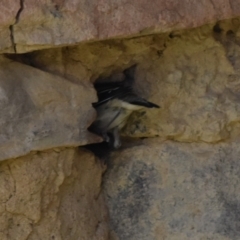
(152, 105)
(142, 102)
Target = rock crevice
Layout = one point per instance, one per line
(181, 183)
(11, 28)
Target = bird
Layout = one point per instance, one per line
(116, 102)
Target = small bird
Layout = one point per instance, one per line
(116, 102)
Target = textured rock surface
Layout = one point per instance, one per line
(43, 24)
(175, 191)
(193, 75)
(41, 111)
(196, 81)
(156, 189)
(54, 194)
(9, 11)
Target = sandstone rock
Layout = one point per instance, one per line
(41, 111)
(193, 75)
(9, 10)
(98, 59)
(169, 190)
(155, 189)
(195, 81)
(53, 194)
(45, 24)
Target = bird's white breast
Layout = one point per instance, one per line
(123, 104)
(115, 114)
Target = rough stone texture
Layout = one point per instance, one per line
(174, 191)
(8, 15)
(41, 111)
(42, 24)
(193, 75)
(54, 194)
(155, 189)
(91, 60)
(196, 81)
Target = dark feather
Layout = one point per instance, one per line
(143, 102)
(113, 116)
(119, 90)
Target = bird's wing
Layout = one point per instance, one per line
(119, 90)
(110, 91)
(136, 100)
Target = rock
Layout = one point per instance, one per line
(41, 111)
(169, 190)
(193, 75)
(9, 10)
(52, 195)
(44, 24)
(196, 82)
(154, 189)
(91, 60)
